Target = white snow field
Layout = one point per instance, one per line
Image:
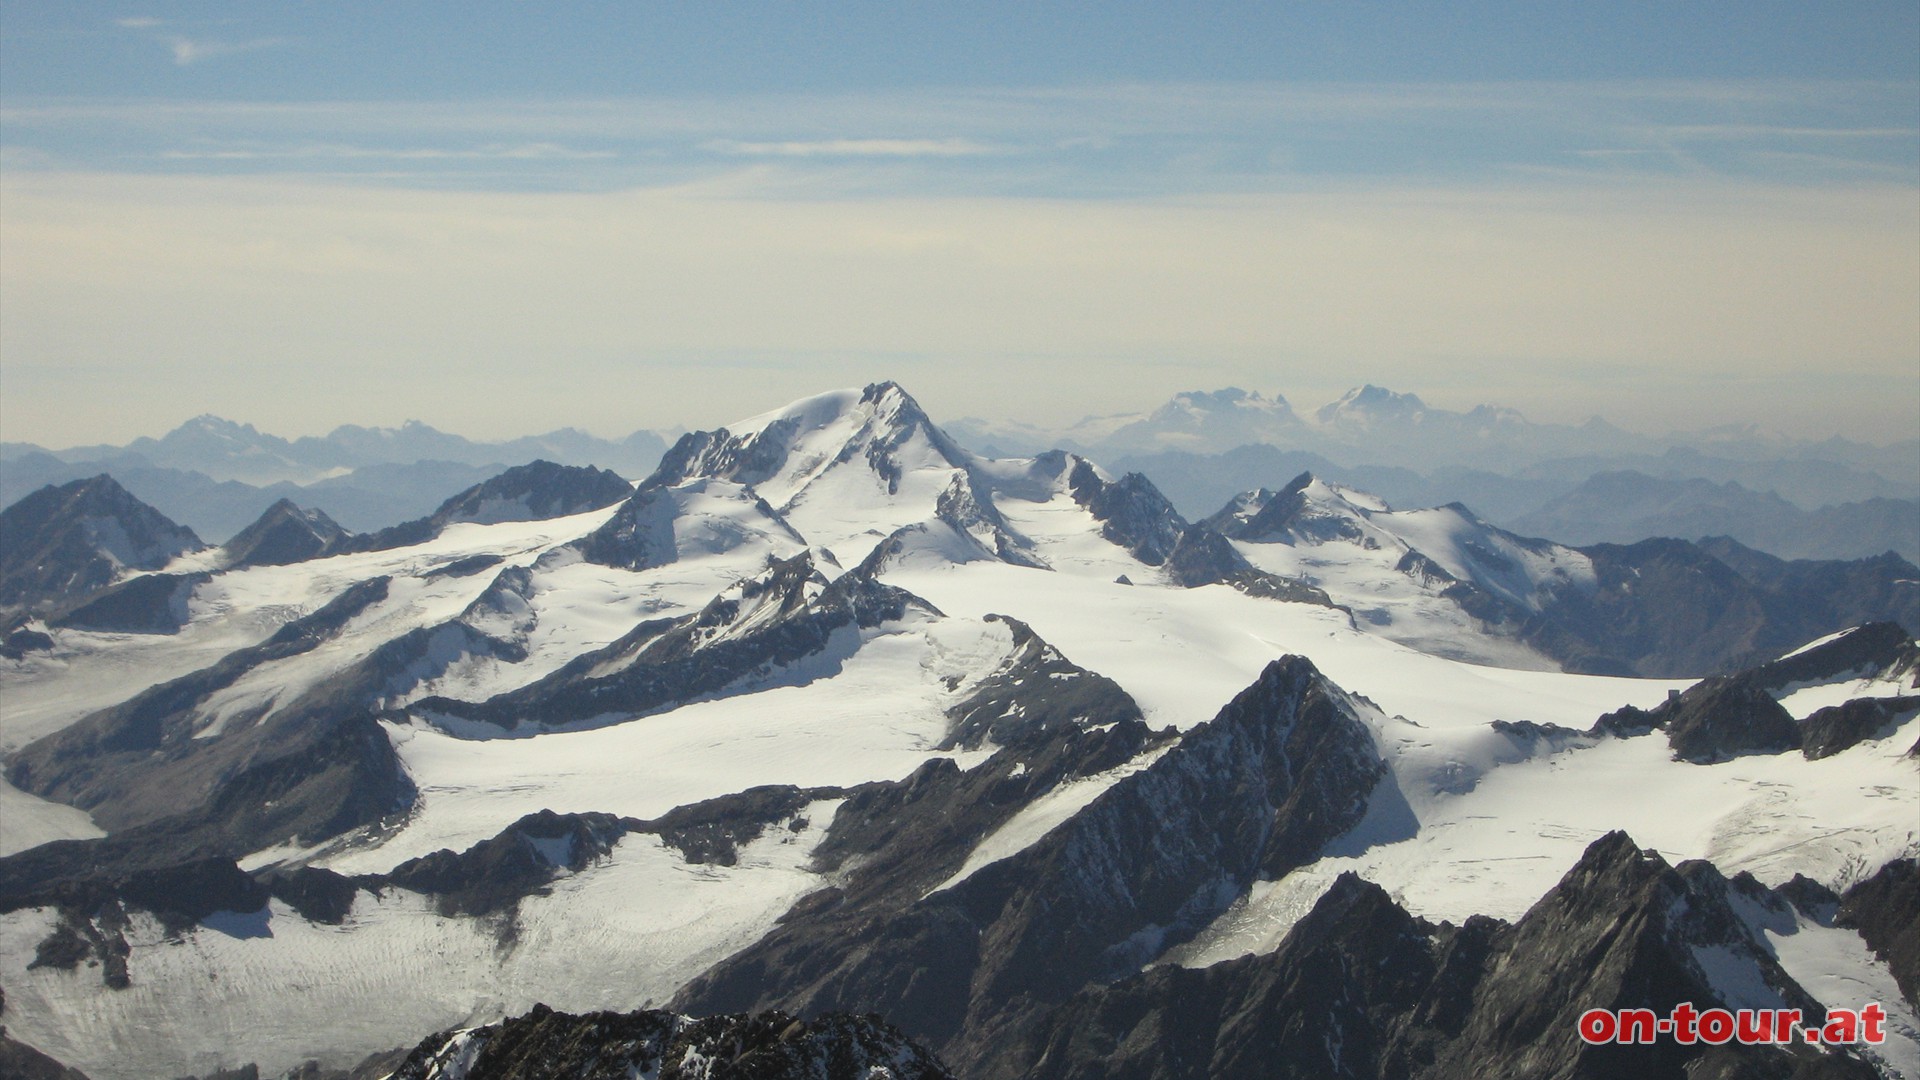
(1469, 820)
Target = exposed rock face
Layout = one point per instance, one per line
(20, 636)
(549, 1045)
(1882, 650)
(1034, 691)
(1361, 989)
(1131, 511)
(1885, 908)
(1840, 727)
(285, 534)
(148, 604)
(23, 1062)
(60, 542)
(498, 872)
(1258, 790)
(1729, 715)
(1725, 717)
(1204, 557)
(1283, 513)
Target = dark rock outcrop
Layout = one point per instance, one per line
(1885, 908)
(548, 1045)
(148, 604)
(1034, 691)
(1725, 717)
(1204, 557)
(496, 873)
(1840, 727)
(1131, 511)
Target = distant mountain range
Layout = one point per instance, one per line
(217, 476)
(1371, 425)
(1591, 483)
(1577, 484)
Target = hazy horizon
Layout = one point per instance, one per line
(1673, 218)
(1301, 407)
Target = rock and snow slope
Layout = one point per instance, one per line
(907, 728)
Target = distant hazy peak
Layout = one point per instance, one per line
(1371, 401)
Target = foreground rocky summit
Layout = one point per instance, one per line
(549, 1045)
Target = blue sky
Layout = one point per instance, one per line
(303, 215)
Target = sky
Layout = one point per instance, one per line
(504, 218)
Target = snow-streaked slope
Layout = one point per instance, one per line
(272, 988)
(90, 671)
(1382, 564)
(877, 718)
(845, 468)
(1182, 653)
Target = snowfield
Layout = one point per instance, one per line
(1468, 819)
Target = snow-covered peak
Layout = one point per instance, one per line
(847, 468)
(207, 425)
(1203, 405)
(1369, 404)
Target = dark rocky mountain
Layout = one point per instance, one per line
(22, 1062)
(285, 534)
(1830, 591)
(549, 1045)
(1131, 511)
(1204, 557)
(1285, 767)
(532, 492)
(1359, 988)
(61, 542)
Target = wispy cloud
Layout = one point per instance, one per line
(543, 151)
(1100, 141)
(939, 148)
(187, 52)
